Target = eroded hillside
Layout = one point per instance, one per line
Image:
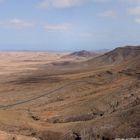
(95, 99)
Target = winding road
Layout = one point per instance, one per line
(40, 96)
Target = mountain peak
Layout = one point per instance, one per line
(82, 53)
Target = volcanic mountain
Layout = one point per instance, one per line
(118, 55)
(82, 53)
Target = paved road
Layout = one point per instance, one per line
(40, 96)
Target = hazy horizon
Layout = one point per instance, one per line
(21, 49)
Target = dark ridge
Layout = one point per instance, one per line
(82, 53)
(118, 55)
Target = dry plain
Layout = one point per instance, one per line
(49, 96)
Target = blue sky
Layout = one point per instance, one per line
(63, 25)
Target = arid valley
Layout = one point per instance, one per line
(77, 96)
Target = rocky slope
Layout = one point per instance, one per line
(119, 55)
(96, 99)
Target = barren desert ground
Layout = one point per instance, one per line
(78, 96)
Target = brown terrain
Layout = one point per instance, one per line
(80, 55)
(52, 96)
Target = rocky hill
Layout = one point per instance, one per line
(82, 53)
(116, 56)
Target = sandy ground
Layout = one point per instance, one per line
(46, 97)
(11, 62)
(6, 136)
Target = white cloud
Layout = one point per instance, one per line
(66, 3)
(58, 27)
(137, 20)
(60, 3)
(16, 23)
(134, 11)
(109, 13)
